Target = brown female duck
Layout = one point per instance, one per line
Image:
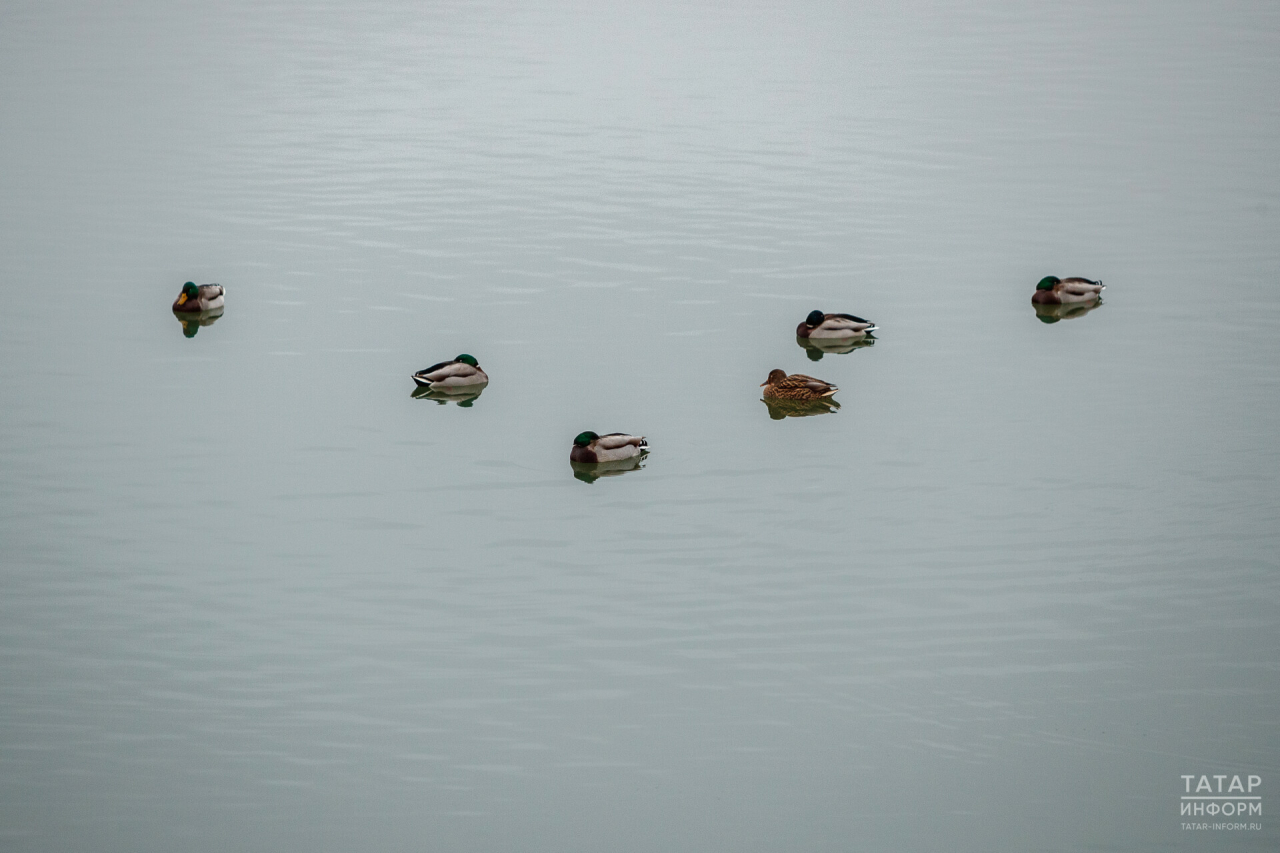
(797, 386)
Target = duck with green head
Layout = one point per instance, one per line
(205, 297)
(590, 447)
(1060, 291)
(819, 326)
(463, 373)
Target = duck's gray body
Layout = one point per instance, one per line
(818, 326)
(610, 448)
(449, 375)
(1065, 291)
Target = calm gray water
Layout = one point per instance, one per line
(258, 597)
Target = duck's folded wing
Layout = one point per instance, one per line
(211, 291)
(453, 371)
(841, 323)
(811, 383)
(614, 440)
(426, 372)
(847, 320)
(1081, 286)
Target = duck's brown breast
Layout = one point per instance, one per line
(582, 454)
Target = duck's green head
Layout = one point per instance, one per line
(1048, 282)
(189, 291)
(468, 359)
(815, 318)
(585, 438)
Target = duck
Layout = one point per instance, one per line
(591, 447)
(1059, 291)
(797, 386)
(818, 325)
(193, 299)
(463, 372)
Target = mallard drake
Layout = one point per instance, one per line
(1059, 291)
(590, 447)
(818, 325)
(797, 386)
(463, 372)
(193, 299)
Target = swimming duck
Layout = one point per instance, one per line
(819, 325)
(206, 297)
(590, 447)
(1058, 291)
(797, 386)
(463, 372)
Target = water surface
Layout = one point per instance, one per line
(257, 594)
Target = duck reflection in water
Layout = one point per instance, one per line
(191, 322)
(779, 409)
(816, 348)
(1069, 311)
(589, 472)
(464, 396)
